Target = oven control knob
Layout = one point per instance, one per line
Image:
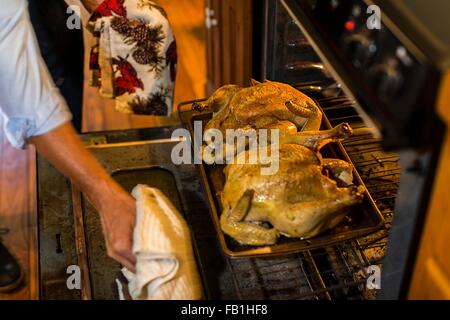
(386, 80)
(359, 49)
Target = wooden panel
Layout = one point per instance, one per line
(229, 45)
(213, 47)
(18, 213)
(431, 277)
(436, 282)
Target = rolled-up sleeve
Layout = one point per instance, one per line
(30, 103)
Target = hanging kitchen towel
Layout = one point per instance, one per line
(133, 56)
(165, 267)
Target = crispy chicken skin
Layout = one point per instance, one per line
(298, 201)
(262, 105)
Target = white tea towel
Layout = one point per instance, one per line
(165, 267)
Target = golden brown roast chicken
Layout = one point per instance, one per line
(297, 201)
(262, 105)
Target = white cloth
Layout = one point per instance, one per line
(30, 103)
(165, 267)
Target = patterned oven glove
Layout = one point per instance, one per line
(133, 56)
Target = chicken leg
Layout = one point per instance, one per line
(316, 140)
(232, 223)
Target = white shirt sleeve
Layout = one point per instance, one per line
(30, 103)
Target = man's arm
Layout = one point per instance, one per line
(34, 110)
(63, 148)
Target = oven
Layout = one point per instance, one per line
(382, 66)
(384, 83)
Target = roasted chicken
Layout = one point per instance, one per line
(298, 201)
(263, 105)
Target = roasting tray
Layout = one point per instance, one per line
(363, 219)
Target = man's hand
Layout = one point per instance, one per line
(91, 5)
(117, 213)
(63, 148)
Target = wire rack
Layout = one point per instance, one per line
(334, 272)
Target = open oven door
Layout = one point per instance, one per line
(70, 235)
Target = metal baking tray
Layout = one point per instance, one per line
(363, 219)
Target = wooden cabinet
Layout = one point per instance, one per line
(431, 277)
(228, 42)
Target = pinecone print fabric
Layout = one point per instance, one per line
(133, 56)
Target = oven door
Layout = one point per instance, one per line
(70, 231)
